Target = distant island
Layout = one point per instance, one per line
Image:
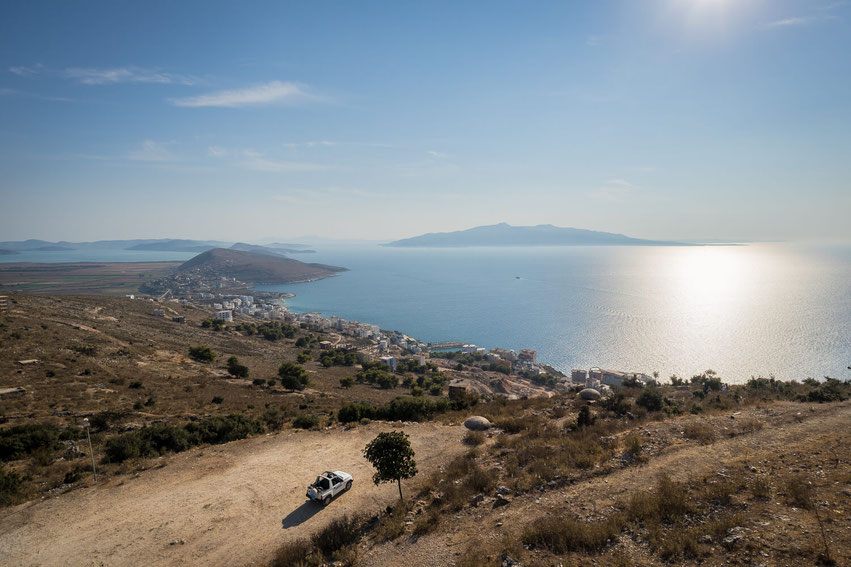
(503, 234)
(157, 245)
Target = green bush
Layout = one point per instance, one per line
(347, 382)
(650, 399)
(337, 357)
(11, 487)
(158, 439)
(293, 376)
(202, 353)
(20, 440)
(237, 369)
(306, 421)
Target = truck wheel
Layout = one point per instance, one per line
(348, 486)
(326, 500)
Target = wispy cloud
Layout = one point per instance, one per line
(791, 22)
(821, 14)
(108, 75)
(115, 75)
(614, 190)
(594, 40)
(324, 195)
(25, 71)
(310, 144)
(437, 155)
(254, 160)
(152, 151)
(16, 92)
(264, 94)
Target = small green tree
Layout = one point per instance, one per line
(202, 353)
(393, 458)
(237, 369)
(293, 376)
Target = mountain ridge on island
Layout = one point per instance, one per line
(504, 234)
(257, 268)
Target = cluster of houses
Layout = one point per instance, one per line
(600, 379)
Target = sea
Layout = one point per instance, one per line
(781, 310)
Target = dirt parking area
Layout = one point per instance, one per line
(231, 504)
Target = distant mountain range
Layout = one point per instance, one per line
(503, 234)
(159, 245)
(257, 268)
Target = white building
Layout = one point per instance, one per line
(389, 361)
(224, 315)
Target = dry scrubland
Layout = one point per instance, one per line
(692, 474)
(110, 360)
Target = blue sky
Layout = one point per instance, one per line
(244, 120)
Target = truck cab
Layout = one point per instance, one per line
(328, 485)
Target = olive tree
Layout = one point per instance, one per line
(393, 458)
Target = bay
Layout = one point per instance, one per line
(762, 309)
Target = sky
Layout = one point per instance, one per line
(665, 119)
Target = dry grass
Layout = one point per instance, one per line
(474, 438)
(700, 431)
(563, 535)
(799, 491)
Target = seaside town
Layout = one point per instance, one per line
(228, 299)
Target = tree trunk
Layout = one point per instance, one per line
(399, 481)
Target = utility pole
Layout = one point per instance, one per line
(91, 451)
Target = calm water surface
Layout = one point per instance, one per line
(740, 310)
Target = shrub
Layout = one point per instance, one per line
(135, 385)
(306, 421)
(699, 431)
(296, 553)
(11, 487)
(202, 353)
(347, 382)
(632, 444)
(218, 399)
(223, 429)
(564, 535)
(20, 440)
(338, 534)
(260, 381)
(302, 358)
(650, 399)
(237, 369)
(617, 403)
(585, 419)
(337, 357)
(273, 418)
(388, 381)
(474, 438)
(293, 376)
(799, 491)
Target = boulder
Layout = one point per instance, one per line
(589, 394)
(477, 423)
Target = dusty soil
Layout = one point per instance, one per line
(795, 439)
(227, 505)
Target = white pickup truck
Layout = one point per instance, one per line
(328, 485)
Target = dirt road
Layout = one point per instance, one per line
(226, 505)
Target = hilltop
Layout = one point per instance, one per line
(211, 464)
(503, 234)
(257, 268)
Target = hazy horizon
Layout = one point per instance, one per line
(661, 120)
